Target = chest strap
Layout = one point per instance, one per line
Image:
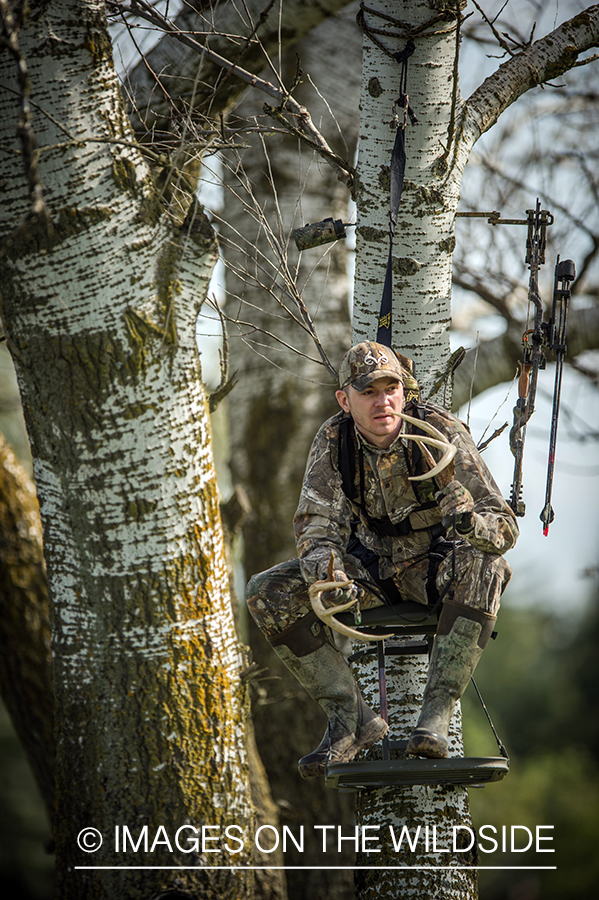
(346, 463)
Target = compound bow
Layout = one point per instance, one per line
(535, 341)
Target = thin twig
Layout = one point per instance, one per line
(302, 126)
(473, 377)
(483, 446)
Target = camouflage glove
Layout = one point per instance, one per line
(456, 505)
(342, 595)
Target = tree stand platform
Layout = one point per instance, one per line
(407, 619)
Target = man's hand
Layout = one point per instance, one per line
(341, 595)
(330, 596)
(456, 500)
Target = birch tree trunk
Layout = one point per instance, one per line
(99, 301)
(421, 319)
(437, 150)
(424, 240)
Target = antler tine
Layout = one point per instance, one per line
(327, 615)
(449, 451)
(434, 438)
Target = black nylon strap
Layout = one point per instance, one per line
(397, 170)
(346, 460)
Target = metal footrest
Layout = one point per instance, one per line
(473, 771)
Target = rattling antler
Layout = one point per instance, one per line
(327, 615)
(435, 439)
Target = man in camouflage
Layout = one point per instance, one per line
(361, 517)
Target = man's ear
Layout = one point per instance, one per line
(342, 400)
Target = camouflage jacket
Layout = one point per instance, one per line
(324, 515)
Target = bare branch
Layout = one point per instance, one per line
(544, 60)
(470, 281)
(226, 384)
(294, 117)
(586, 60)
(490, 23)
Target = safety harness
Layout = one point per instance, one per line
(439, 548)
(346, 463)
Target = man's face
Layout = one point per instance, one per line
(372, 410)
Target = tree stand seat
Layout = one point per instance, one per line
(406, 620)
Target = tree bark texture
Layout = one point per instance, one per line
(421, 317)
(424, 241)
(25, 660)
(275, 410)
(99, 304)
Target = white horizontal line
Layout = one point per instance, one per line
(329, 868)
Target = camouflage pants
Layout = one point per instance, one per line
(279, 597)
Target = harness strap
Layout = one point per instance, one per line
(397, 170)
(346, 463)
(346, 459)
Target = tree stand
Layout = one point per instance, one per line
(406, 620)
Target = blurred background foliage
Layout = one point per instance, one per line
(539, 681)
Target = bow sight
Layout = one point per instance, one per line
(550, 335)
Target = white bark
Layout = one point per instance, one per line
(100, 315)
(423, 248)
(422, 257)
(424, 235)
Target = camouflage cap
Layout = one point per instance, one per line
(368, 361)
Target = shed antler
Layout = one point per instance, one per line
(434, 438)
(327, 614)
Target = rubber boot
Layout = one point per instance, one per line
(322, 671)
(462, 634)
(339, 744)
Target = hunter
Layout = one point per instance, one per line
(360, 516)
